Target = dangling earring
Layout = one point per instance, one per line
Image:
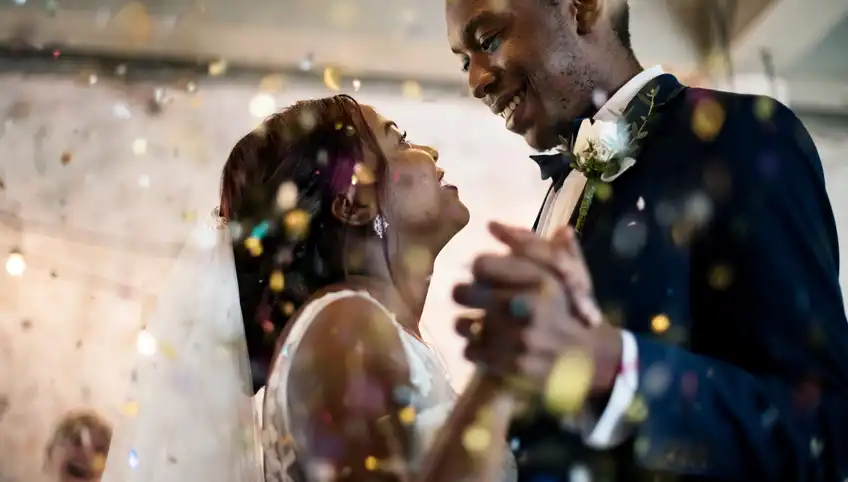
(380, 226)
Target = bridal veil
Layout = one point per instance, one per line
(193, 416)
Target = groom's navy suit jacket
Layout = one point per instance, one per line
(725, 227)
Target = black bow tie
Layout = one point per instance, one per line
(554, 166)
(557, 166)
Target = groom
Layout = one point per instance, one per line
(712, 328)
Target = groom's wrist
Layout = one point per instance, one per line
(608, 362)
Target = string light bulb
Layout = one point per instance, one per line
(15, 263)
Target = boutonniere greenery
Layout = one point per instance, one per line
(603, 151)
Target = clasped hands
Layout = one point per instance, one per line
(541, 329)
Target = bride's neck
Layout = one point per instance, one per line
(403, 297)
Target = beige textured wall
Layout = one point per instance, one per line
(101, 224)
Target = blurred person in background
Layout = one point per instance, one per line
(330, 221)
(78, 448)
(692, 305)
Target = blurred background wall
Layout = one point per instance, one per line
(115, 119)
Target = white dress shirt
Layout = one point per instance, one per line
(611, 428)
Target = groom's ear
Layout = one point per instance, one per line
(355, 210)
(587, 13)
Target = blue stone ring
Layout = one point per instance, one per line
(519, 307)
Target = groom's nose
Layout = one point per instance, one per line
(481, 80)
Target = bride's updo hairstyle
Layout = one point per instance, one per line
(277, 189)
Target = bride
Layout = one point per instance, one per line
(330, 221)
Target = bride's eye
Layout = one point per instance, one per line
(403, 140)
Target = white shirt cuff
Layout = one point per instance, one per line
(612, 427)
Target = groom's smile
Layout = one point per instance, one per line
(531, 62)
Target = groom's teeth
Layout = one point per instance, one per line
(510, 108)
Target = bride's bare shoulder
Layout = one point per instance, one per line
(348, 324)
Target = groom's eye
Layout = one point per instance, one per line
(465, 64)
(490, 44)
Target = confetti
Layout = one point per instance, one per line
(218, 68)
(287, 196)
(131, 408)
(407, 415)
(254, 246)
(357, 84)
(276, 281)
(371, 463)
(333, 78)
(568, 383)
(296, 223)
(707, 119)
(15, 263)
(139, 147)
(411, 89)
(146, 343)
(66, 158)
(721, 277)
(660, 323)
(134, 21)
(271, 83)
(262, 105)
(476, 439)
(764, 108)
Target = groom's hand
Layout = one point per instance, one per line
(539, 309)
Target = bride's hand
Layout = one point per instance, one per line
(563, 257)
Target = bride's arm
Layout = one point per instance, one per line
(346, 397)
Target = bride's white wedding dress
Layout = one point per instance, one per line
(431, 395)
(193, 417)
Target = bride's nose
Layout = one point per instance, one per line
(429, 150)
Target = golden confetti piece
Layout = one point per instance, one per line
(98, 463)
(296, 223)
(637, 411)
(168, 351)
(66, 158)
(333, 79)
(476, 439)
(411, 89)
(287, 308)
(189, 216)
(764, 108)
(371, 463)
(721, 277)
(287, 196)
(354, 179)
(364, 174)
(357, 84)
(707, 119)
(660, 323)
(407, 415)
(603, 191)
(271, 83)
(218, 67)
(277, 281)
(343, 14)
(568, 383)
(134, 21)
(254, 246)
(418, 260)
(131, 408)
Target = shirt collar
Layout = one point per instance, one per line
(613, 109)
